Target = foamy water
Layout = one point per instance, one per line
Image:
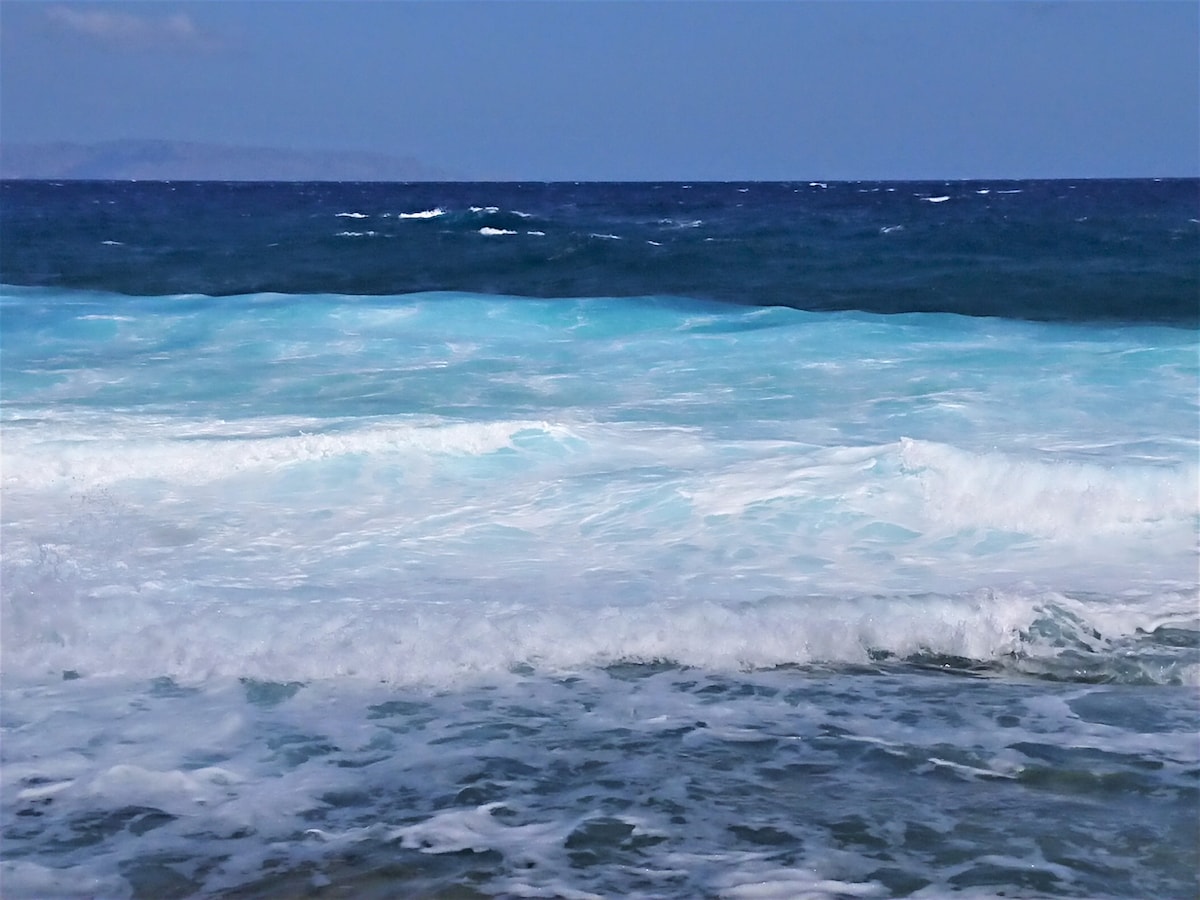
(309, 594)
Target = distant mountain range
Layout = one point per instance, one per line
(152, 160)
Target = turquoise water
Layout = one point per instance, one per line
(343, 595)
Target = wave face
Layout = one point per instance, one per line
(1043, 250)
(380, 594)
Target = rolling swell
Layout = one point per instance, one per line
(1048, 250)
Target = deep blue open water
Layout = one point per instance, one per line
(587, 540)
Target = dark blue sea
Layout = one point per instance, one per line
(796, 540)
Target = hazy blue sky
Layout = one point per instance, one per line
(576, 89)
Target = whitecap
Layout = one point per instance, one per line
(208, 454)
(113, 243)
(888, 229)
(492, 231)
(350, 215)
(423, 214)
(607, 237)
(941, 199)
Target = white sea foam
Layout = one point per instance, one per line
(480, 830)
(941, 199)
(926, 485)
(24, 878)
(351, 215)
(102, 617)
(757, 881)
(210, 452)
(423, 214)
(1047, 498)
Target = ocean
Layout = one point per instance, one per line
(797, 540)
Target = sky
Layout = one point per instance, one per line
(628, 89)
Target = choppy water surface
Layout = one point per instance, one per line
(477, 594)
